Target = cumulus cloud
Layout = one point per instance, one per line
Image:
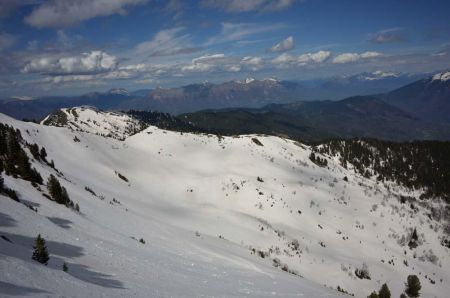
(284, 59)
(318, 57)
(86, 63)
(240, 6)
(252, 62)
(64, 13)
(354, 57)
(388, 36)
(283, 46)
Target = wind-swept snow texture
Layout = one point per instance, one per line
(216, 215)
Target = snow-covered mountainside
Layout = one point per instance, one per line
(443, 76)
(91, 120)
(244, 216)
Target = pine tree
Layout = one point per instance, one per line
(40, 253)
(64, 267)
(402, 295)
(65, 197)
(413, 286)
(373, 295)
(54, 188)
(43, 153)
(384, 292)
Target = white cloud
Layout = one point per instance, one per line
(285, 60)
(240, 6)
(254, 63)
(283, 46)
(368, 55)
(389, 36)
(86, 63)
(63, 13)
(346, 58)
(249, 60)
(354, 57)
(207, 58)
(234, 68)
(318, 57)
(238, 31)
(167, 42)
(205, 63)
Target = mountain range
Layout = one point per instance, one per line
(248, 93)
(419, 110)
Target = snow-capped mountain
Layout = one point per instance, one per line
(378, 75)
(427, 99)
(91, 120)
(120, 91)
(442, 76)
(164, 213)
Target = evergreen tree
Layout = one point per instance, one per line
(34, 149)
(54, 188)
(43, 153)
(384, 292)
(413, 286)
(402, 295)
(373, 295)
(40, 253)
(65, 197)
(64, 267)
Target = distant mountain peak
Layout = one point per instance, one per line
(119, 91)
(443, 76)
(18, 97)
(377, 75)
(250, 80)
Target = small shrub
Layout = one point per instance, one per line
(257, 142)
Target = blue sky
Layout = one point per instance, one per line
(75, 46)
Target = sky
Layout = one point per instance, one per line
(66, 47)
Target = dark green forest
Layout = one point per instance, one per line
(417, 164)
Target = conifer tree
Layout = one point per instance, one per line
(43, 153)
(373, 295)
(64, 267)
(384, 292)
(40, 252)
(54, 188)
(413, 286)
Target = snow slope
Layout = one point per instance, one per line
(443, 76)
(197, 202)
(88, 119)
